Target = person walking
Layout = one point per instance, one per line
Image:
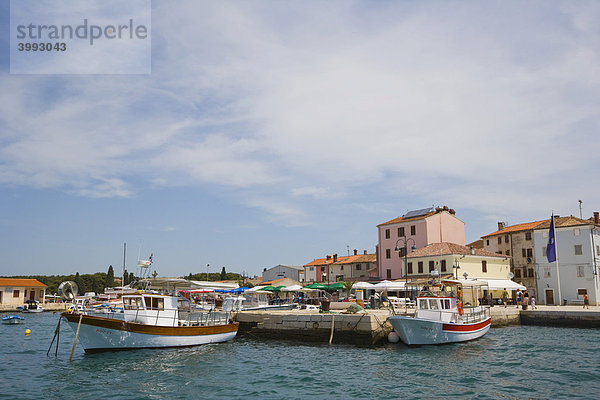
(505, 297)
(586, 301)
(533, 303)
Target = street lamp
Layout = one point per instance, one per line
(456, 268)
(207, 265)
(405, 244)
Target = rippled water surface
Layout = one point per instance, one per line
(508, 363)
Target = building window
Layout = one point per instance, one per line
(16, 293)
(580, 271)
(431, 266)
(413, 230)
(581, 292)
(420, 267)
(341, 267)
(358, 267)
(499, 239)
(506, 239)
(387, 233)
(401, 231)
(25, 293)
(517, 272)
(531, 273)
(508, 252)
(487, 242)
(529, 252)
(499, 252)
(410, 271)
(312, 268)
(388, 253)
(483, 266)
(576, 231)
(578, 250)
(443, 265)
(547, 272)
(389, 273)
(527, 235)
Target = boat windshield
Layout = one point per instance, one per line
(132, 303)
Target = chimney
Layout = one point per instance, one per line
(335, 258)
(501, 225)
(328, 257)
(355, 252)
(596, 217)
(445, 208)
(452, 211)
(365, 253)
(472, 251)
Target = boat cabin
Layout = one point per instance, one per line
(438, 308)
(151, 309)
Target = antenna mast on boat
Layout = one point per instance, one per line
(123, 274)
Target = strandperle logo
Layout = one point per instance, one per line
(88, 31)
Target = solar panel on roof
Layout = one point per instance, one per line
(418, 213)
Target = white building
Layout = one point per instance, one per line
(283, 271)
(578, 250)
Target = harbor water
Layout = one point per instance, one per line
(519, 362)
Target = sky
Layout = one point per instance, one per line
(279, 132)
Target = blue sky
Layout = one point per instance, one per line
(279, 132)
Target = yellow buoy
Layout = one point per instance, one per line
(27, 332)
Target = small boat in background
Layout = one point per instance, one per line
(12, 320)
(31, 306)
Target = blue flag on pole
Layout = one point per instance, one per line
(551, 248)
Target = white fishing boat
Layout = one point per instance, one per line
(12, 320)
(441, 317)
(151, 320)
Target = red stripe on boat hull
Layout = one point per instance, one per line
(466, 328)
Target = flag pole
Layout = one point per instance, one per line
(560, 301)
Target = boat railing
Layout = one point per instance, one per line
(203, 318)
(475, 314)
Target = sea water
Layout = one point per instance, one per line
(520, 362)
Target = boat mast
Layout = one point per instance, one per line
(123, 281)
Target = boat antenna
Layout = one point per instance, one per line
(123, 274)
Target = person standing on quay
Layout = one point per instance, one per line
(519, 294)
(533, 303)
(525, 299)
(586, 301)
(505, 297)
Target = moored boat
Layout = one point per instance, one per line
(31, 306)
(12, 320)
(440, 316)
(151, 320)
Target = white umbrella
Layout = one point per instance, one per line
(292, 288)
(388, 285)
(363, 285)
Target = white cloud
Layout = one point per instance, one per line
(460, 105)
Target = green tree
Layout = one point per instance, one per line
(125, 277)
(110, 277)
(223, 274)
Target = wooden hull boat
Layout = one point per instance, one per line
(106, 334)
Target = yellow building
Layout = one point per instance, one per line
(451, 260)
(17, 291)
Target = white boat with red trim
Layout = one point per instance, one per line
(151, 320)
(440, 316)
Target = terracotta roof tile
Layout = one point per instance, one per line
(560, 222)
(21, 282)
(442, 249)
(359, 258)
(516, 228)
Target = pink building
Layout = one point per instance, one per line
(419, 228)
